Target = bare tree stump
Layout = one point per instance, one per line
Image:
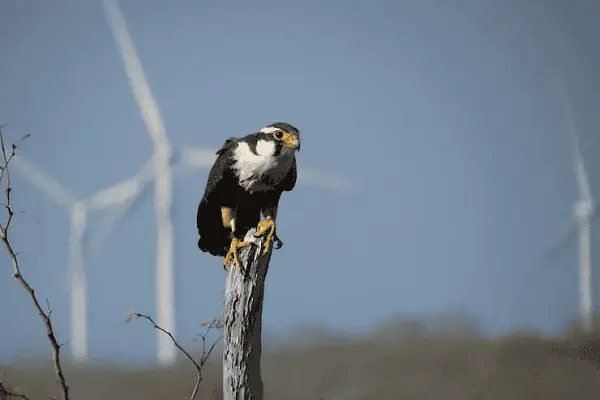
(242, 322)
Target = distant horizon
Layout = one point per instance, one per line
(304, 337)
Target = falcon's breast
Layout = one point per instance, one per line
(260, 168)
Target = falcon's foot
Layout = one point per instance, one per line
(233, 253)
(267, 227)
(277, 243)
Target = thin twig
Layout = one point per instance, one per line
(205, 352)
(7, 395)
(4, 230)
(214, 324)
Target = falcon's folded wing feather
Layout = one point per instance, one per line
(214, 237)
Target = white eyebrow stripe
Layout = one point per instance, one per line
(270, 129)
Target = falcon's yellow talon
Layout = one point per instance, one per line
(233, 253)
(263, 227)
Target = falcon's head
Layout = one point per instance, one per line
(284, 137)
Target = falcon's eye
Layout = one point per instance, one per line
(278, 135)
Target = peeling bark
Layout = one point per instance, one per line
(242, 323)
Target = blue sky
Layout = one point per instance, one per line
(442, 115)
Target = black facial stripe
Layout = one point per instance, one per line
(252, 144)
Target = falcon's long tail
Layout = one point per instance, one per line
(214, 238)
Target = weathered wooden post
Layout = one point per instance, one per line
(242, 322)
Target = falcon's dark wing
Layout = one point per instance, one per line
(214, 238)
(271, 200)
(289, 181)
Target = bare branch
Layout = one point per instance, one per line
(242, 317)
(199, 365)
(7, 395)
(7, 156)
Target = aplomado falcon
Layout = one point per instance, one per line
(247, 180)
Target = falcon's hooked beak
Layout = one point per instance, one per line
(292, 142)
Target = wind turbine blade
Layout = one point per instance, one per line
(538, 267)
(567, 234)
(43, 181)
(323, 180)
(137, 79)
(110, 221)
(583, 183)
(582, 177)
(197, 158)
(120, 193)
(124, 191)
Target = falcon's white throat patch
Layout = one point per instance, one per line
(265, 148)
(250, 167)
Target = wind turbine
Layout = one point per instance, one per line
(164, 160)
(163, 179)
(78, 212)
(584, 212)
